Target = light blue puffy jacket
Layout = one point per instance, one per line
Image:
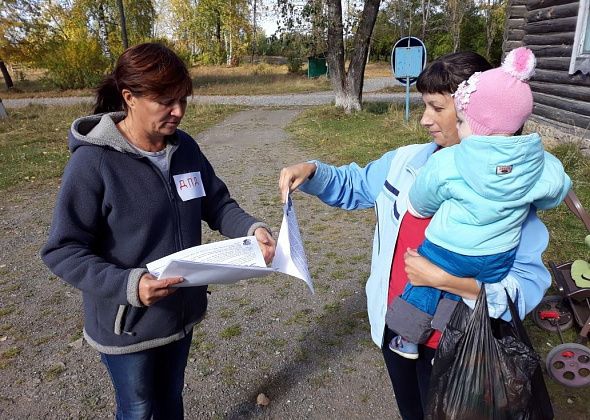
(479, 191)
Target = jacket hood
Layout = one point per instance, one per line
(500, 167)
(99, 130)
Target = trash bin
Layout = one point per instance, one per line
(316, 66)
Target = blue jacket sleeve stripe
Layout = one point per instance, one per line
(391, 188)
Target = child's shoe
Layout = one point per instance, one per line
(403, 347)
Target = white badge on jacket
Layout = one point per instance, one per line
(189, 185)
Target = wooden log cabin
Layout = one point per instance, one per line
(558, 32)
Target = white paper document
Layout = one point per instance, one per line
(290, 256)
(232, 260)
(217, 263)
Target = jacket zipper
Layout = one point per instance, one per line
(173, 200)
(178, 238)
(378, 229)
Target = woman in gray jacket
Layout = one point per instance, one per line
(135, 189)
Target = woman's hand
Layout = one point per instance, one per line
(422, 272)
(152, 290)
(293, 176)
(266, 243)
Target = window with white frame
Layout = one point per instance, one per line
(581, 49)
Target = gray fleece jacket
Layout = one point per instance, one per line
(116, 212)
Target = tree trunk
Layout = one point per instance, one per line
(3, 113)
(218, 27)
(123, 24)
(348, 85)
(425, 17)
(6, 75)
(253, 31)
(335, 56)
(491, 29)
(103, 32)
(226, 47)
(456, 10)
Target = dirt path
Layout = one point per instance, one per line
(311, 354)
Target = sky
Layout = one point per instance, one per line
(269, 23)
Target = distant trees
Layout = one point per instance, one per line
(77, 41)
(494, 14)
(443, 25)
(373, 25)
(212, 31)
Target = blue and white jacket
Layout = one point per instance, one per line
(384, 184)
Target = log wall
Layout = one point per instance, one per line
(548, 27)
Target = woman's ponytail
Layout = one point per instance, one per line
(108, 97)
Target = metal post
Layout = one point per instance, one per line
(407, 99)
(408, 79)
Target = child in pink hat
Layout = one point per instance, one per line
(478, 194)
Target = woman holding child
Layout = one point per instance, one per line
(385, 184)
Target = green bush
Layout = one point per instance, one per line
(185, 55)
(75, 64)
(294, 63)
(212, 54)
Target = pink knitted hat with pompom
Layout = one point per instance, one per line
(499, 101)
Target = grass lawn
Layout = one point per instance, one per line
(337, 138)
(247, 79)
(253, 79)
(33, 140)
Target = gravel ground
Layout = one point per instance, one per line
(310, 354)
(303, 99)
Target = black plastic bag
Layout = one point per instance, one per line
(486, 369)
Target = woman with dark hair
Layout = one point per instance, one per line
(384, 184)
(135, 189)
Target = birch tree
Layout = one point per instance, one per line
(184, 26)
(425, 8)
(456, 12)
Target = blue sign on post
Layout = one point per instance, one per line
(408, 62)
(408, 58)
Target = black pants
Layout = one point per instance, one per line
(410, 378)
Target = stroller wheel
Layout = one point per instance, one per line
(552, 312)
(569, 364)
